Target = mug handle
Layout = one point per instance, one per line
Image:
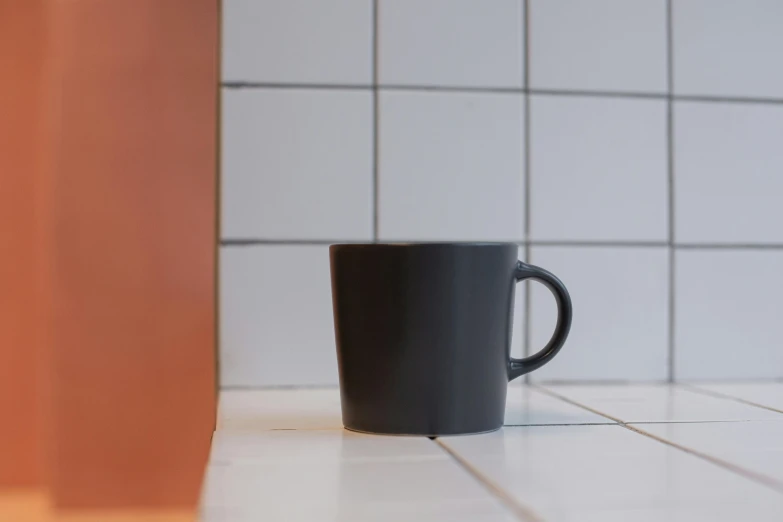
(523, 271)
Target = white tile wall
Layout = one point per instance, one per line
(276, 324)
(729, 172)
(620, 325)
(725, 48)
(297, 164)
(728, 314)
(289, 41)
(445, 42)
(604, 45)
(363, 120)
(598, 168)
(450, 166)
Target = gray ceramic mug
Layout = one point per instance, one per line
(423, 334)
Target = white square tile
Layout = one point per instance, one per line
(727, 168)
(527, 406)
(703, 511)
(297, 164)
(605, 45)
(460, 510)
(290, 41)
(728, 48)
(768, 394)
(345, 476)
(460, 43)
(599, 473)
(620, 324)
(598, 168)
(728, 314)
(258, 410)
(753, 446)
(451, 166)
(250, 447)
(276, 325)
(659, 403)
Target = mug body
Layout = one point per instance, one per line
(423, 334)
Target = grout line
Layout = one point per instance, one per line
(375, 125)
(526, 44)
(528, 298)
(748, 474)
(612, 423)
(540, 242)
(672, 316)
(719, 395)
(671, 352)
(517, 508)
(706, 98)
(253, 241)
(292, 85)
(455, 89)
(597, 382)
(598, 243)
(282, 242)
(729, 246)
(598, 94)
(500, 90)
(729, 421)
(256, 241)
(545, 424)
(443, 88)
(538, 385)
(669, 50)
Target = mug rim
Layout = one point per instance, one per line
(414, 244)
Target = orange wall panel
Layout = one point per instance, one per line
(22, 32)
(133, 251)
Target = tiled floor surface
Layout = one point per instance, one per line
(570, 453)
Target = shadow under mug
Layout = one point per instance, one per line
(423, 334)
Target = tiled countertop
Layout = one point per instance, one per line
(570, 453)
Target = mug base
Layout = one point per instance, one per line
(430, 435)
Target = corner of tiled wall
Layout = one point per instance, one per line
(632, 148)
